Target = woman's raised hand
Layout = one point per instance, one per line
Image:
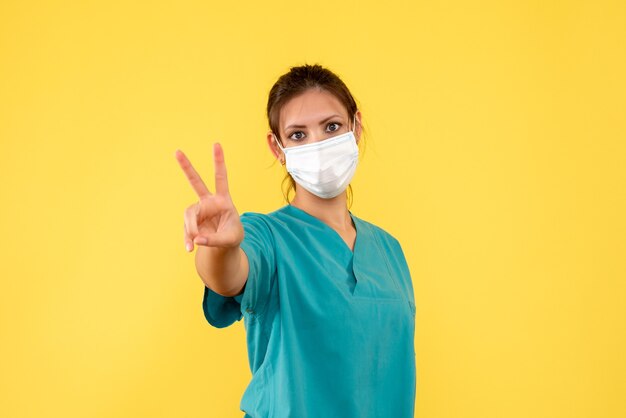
(213, 221)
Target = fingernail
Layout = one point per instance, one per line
(189, 246)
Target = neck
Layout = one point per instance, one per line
(333, 212)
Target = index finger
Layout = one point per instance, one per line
(221, 180)
(192, 175)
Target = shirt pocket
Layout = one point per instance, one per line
(374, 279)
(378, 288)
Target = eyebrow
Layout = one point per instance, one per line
(321, 122)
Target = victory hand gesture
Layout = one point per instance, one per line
(213, 221)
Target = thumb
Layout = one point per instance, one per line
(216, 240)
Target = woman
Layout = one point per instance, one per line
(327, 297)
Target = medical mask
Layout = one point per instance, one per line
(326, 167)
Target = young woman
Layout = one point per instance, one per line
(327, 297)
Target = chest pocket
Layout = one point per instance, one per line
(375, 280)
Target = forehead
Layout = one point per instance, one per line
(310, 107)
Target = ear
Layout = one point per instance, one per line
(358, 128)
(276, 152)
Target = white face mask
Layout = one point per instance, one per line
(324, 168)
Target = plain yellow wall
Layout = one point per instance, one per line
(495, 153)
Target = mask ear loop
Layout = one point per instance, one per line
(279, 146)
(277, 143)
(354, 128)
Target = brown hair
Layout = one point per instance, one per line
(295, 82)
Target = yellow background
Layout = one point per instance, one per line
(495, 153)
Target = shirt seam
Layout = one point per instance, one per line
(274, 275)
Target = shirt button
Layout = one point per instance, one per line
(249, 310)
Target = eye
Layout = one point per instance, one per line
(299, 135)
(336, 124)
